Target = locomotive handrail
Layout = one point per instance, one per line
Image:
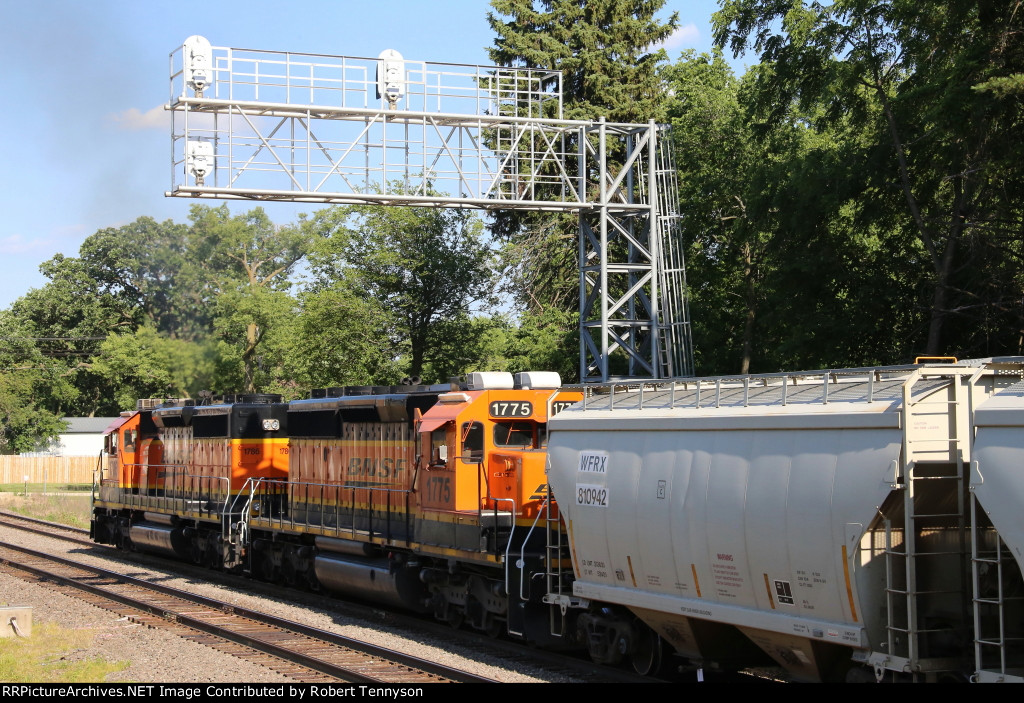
(381, 498)
(245, 514)
(210, 495)
(522, 552)
(483, 477)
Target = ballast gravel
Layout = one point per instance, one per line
(157, 656)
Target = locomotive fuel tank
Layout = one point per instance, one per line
(820, 517)
(357, 570)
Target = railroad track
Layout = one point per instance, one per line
(511, 653)
(298, 651)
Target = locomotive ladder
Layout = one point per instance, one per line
(997, 599)
(930, 563)
(559, 588)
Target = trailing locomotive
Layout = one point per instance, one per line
(433, 498)
(844, 525)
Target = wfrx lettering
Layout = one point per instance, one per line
(593, 462)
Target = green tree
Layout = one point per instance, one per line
(424, 266)
(248, 264)
(66, 320)
(942, 157)
(138, 274)
(468, 343)
(604, 49)
(344, 338)
(147, 364)
(728, 227)
(33, 390)
(789, 265)
(148, 265)
(545, 341)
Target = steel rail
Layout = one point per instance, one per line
(432, 672)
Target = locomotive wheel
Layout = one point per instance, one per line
(213, 555)
(269, 570)
(494, 628)
(122, 539)
(455, 617)
(647, 653)
(288, 573)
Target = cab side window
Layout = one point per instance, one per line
(439, 442)
(473, 442)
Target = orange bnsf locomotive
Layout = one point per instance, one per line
(428, 497)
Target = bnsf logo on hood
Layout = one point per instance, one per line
(386, 467)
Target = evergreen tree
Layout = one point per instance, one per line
(606, 52)
(604, 49)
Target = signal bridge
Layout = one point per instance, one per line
(262, 125)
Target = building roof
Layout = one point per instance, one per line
(87, 425)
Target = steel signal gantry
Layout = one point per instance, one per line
(261, 125)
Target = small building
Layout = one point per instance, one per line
(83, 437)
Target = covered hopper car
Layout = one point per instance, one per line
(845, 525)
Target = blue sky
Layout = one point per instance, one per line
(86, 144)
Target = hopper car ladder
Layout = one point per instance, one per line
(927, 563)
(997, 604)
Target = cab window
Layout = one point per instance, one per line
(439, 442)
(514, 434)
(472, 442)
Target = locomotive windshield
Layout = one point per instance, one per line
(519, 434)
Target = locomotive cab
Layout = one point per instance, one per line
(131, 446)
(482, 490)
(482, 448)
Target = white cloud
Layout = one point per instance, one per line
(684, 36)
(133, 119)
(19, 244)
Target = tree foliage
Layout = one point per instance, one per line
(605, 50)
(344, 338)
(426, 267)
(788, 267)
(32, 391)
(607, 53)
(147, 364)
(248, 262)
(939, 153)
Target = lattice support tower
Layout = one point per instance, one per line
(309, 128)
